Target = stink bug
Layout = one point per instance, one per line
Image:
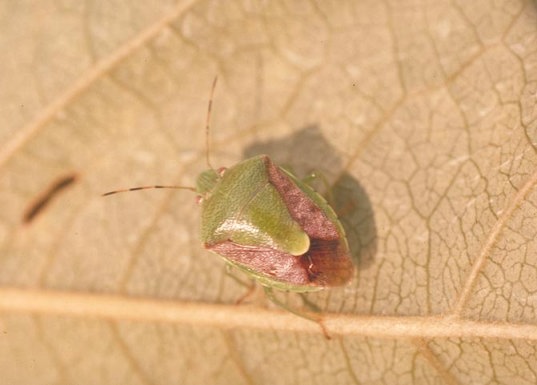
(269, 224)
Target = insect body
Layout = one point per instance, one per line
(264, 221)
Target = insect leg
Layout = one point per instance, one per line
(317, 319)
(250, 286)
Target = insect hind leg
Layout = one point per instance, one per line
(311, 317)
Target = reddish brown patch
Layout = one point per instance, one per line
(330, 265)
(270, 262)
(325, 263)
(303, 210)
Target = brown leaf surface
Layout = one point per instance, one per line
(421, 114)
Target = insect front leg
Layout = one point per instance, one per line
(250, 286)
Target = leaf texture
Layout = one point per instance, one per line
(421, 116)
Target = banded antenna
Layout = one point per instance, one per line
(207, 152)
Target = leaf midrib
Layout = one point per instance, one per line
(231, 316)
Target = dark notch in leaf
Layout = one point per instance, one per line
(42, 201)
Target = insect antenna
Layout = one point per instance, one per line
(207, 152)
(148, 188)
(207, 125)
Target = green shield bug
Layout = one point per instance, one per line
(271, 225)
